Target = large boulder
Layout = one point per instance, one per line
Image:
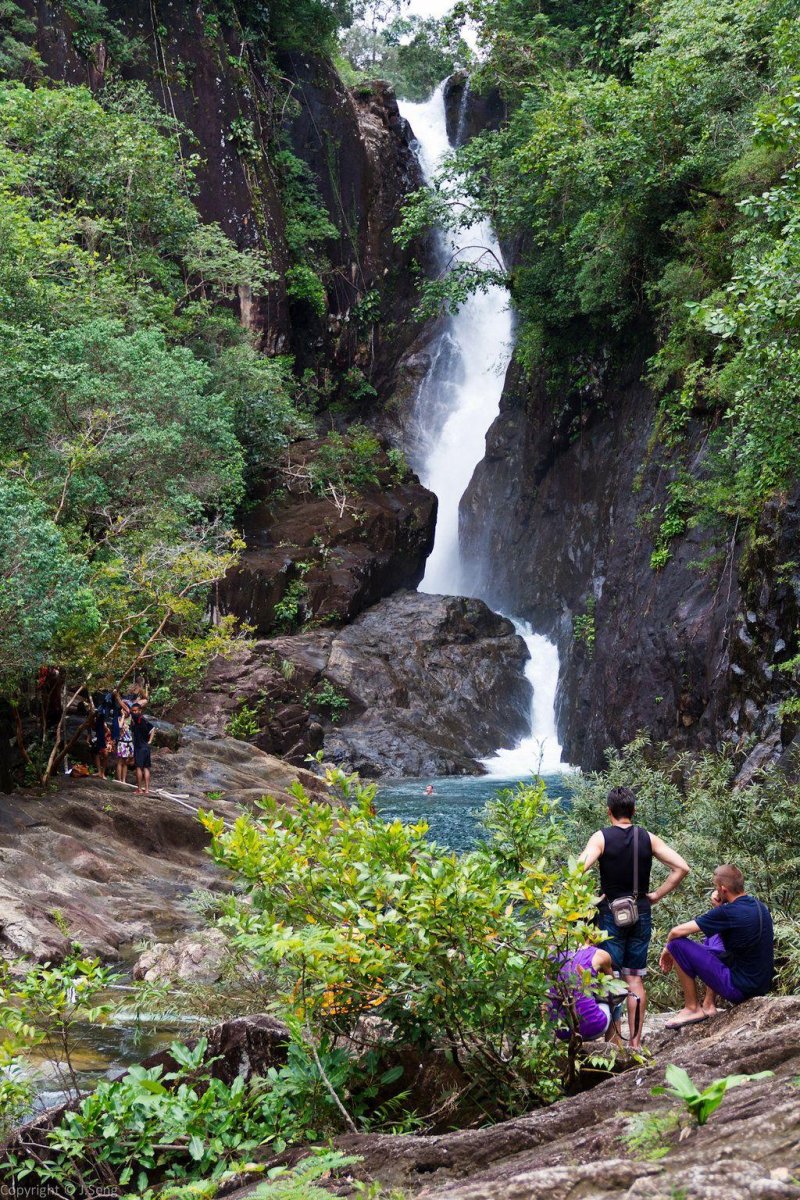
(436, 683)
(417, 685)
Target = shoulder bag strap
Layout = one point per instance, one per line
(636, 862)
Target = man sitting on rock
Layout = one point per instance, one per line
(745, 969)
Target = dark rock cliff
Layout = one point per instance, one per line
(557, 524)
(240, 106)
(337, 559)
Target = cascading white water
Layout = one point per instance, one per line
(540, 750)
(457, 401)
(478, 348)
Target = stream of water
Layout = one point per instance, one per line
(457, 401)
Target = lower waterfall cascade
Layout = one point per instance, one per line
(456, 403)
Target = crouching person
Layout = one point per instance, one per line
(582, 999)
(746, 966)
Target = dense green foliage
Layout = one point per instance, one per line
(455, 953)
(413, 53)
(18, 58)
(648, 177)
(308, 227)
(127, 392)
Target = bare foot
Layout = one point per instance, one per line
(710, 1010)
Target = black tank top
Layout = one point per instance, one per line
(616, 862)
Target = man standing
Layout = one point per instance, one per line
(143, 733)
(612, 848)
(745, 926)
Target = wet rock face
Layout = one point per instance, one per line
(469, 112)
(559, 509)
(276, 688)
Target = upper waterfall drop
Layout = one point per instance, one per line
(457, 401)
(464, 398)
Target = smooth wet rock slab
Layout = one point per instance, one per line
(110, 867)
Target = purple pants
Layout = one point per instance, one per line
(702, 963)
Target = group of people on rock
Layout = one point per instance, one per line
(120, 730)
(735, 959)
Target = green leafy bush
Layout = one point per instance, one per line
(154, 1126)
(349, 463)
(328, 697)
(584, 625)
(308, 227)
(289, 611)
(453, 952)
(244, 723)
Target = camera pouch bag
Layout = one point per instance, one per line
(625, 909)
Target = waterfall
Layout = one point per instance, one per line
(457, 401)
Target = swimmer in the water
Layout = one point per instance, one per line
(429, 790)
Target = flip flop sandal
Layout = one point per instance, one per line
(683, 1024)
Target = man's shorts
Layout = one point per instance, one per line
(627, 947)
(142, 757)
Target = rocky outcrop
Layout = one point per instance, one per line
(438, 682)
(469, 112)
(565, 507)
(577, 1148)
(416, 685)
(91, 861)
(195, 958)
(336, 558)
